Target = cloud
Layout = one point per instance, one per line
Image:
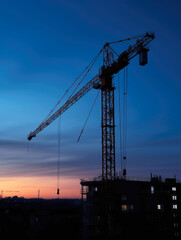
(41, 160)
(154, 154)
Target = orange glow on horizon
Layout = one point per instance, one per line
(28, 187)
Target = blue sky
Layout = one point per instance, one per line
(45, 45)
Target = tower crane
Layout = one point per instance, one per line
(104, 81)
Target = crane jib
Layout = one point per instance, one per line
(65, 106)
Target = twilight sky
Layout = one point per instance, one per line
(44, 46)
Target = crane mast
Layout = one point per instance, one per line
(108, 124)
(104, 81)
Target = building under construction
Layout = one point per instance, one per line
(135, 209)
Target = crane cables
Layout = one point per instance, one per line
(83, 75)
(58, 158)
(127, 39)
(125, 119)
(120, 123)
(123, 139)
(88, 116)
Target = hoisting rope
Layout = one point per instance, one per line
(120, 124)
(88, 116)
(125, 120)
(58, 158)
(83, 75)
(28, 146)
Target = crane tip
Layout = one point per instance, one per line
(30, 136)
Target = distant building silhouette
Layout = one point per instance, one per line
(136, 208)
(40, 219)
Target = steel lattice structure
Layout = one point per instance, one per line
(108, 124)
(103, 81)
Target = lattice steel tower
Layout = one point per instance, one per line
(108, 124)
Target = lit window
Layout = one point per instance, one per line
(124, 207)
(174, 197)
(159, 207)
(174, 206)
(95, 189)
(176, 234)
(174, 189)
(175, 224)
(152, 189)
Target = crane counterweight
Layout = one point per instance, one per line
(143, 56)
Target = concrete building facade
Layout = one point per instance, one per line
(136, 209)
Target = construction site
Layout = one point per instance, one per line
(116, 206)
